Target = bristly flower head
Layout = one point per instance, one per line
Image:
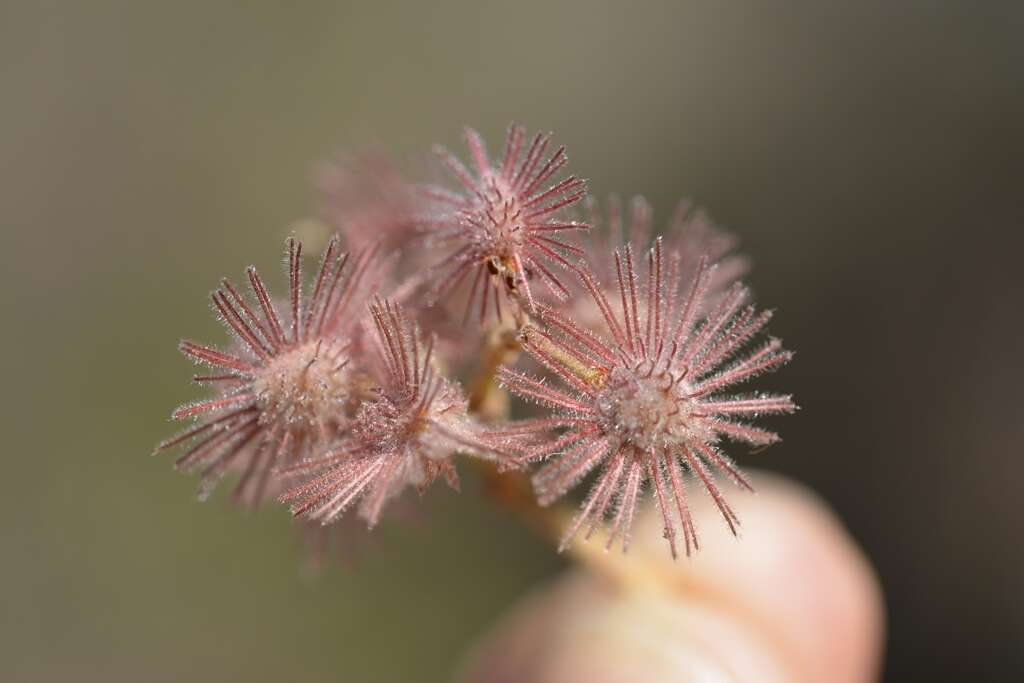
(405, 435)
(505, 220)
(647, 397)
(286, 388)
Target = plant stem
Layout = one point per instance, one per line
(500, 347)
(513, 491)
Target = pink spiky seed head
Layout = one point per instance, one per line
(405, 435)
(646, 399)
(504, 221)
(287, 386)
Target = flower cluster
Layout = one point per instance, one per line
(346, 392)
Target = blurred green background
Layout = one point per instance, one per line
(868, 155)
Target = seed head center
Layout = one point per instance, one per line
(304, 387)
(645, 411)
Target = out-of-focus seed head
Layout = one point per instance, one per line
(366, 199)
(687, 238)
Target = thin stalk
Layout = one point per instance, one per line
(514, 492)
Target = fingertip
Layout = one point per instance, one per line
(581, 629)
(796, 575)
(794, 600)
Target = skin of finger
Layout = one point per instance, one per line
(795, 600)
(582, 630)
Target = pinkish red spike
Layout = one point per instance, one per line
(250, 316)
(513, 142)
(295, 284)
(717, 460)
(765, 405)
(595, 504)
(675, 478)
(478, 150)
(213, 357)
(742, 432)
(269, 313)
(533, 155)
(326, 262)
(241, 330)
(456, 168)
(627, 505)
(557, 161)
(701, 471)
(193, 409)
(528, 387)
(668, 528)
